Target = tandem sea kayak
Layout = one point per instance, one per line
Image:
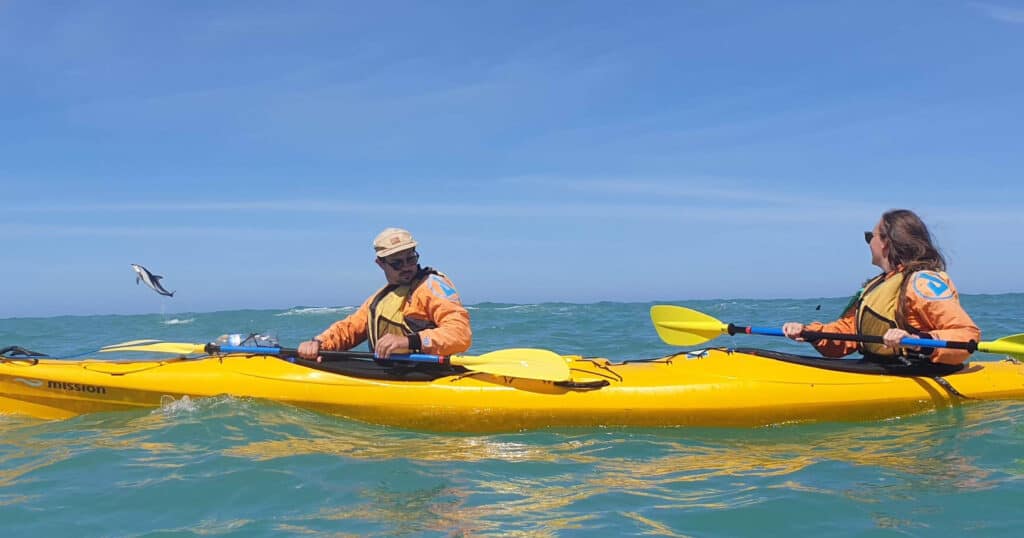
(710, 387)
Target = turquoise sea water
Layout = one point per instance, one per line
(228, 466)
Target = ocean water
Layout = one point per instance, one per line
(235, 467)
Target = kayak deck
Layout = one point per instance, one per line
(714, 387)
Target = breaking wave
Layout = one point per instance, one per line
(316, 310)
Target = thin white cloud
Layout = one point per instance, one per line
(689, 209)
(688, 213)
(1002, 13)
(21, 231)
(695, 188)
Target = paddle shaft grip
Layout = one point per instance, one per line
(327, 355)
(971, 346)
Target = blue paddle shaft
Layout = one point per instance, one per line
(811, 335)
(256, 350)
(764, 331)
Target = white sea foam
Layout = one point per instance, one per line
(186, 405)
(316, 310)
(171, 406)
(517, 307)
(177, 321)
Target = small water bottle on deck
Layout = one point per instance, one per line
(228, 340)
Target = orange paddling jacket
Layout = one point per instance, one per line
(428, 311)
(924, 303)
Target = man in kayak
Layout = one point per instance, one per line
(912, 297)
(418, 311)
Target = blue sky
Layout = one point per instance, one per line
(539, 151)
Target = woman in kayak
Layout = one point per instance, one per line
(418, 311)
(912, 297)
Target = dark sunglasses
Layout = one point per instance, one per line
(400, 263)
(869, 235)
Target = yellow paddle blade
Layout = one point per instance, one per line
(680, 326)
(1008, 345)
(156, 346)
(519, 362)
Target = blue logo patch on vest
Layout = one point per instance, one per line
(931, 286)
(438, 287)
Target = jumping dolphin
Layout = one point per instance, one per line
(151, 280)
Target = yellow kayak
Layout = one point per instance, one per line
(713, 387)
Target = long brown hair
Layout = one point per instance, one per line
(910, 244)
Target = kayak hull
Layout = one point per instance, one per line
(715, 387)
